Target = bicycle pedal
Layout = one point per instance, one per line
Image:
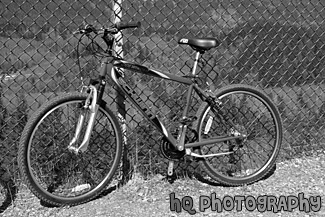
(171, 179)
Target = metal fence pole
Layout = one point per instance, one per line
(117, 8)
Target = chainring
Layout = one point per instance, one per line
(170, 152)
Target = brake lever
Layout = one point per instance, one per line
(80, 31)
(86, 30)
(89, 28)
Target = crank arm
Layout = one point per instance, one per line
(170, 168)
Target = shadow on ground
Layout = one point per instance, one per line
(8, 192)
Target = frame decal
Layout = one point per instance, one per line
(150, 72)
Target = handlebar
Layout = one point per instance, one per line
(119, 26)
(112, 30)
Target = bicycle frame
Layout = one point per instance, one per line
(111, 65)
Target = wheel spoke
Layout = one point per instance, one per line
(250, 113)
(56, 174)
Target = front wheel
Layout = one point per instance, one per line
(240, 110)
(55, 174)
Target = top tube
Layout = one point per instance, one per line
(151, 72)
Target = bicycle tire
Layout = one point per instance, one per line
(59, 177)
(225, 169)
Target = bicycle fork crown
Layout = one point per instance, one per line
(92, 106)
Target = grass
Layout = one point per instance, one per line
(148, 197)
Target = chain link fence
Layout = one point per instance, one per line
(277, 46)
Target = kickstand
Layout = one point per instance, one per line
(171, 176)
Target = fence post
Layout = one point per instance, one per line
(117, 8)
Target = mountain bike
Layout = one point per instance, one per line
(71, 147)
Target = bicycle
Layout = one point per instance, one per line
(71, 147)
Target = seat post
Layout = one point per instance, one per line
(196, 61)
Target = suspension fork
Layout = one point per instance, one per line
(92, 106)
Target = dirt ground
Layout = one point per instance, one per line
(299, 178)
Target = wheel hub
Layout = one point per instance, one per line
(239, 131)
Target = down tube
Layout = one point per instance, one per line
(141, 106)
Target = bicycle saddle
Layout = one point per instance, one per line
(200, 44)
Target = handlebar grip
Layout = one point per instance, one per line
(89, 28)
(121, 25)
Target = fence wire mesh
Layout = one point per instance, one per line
(277, 46)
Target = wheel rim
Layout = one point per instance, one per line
(55, 171)
(233, 167)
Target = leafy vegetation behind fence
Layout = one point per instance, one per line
(282, 57)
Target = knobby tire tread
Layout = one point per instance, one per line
(26, 134)
(271, 167)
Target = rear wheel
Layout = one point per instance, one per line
(245, 110)
(57, 175)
